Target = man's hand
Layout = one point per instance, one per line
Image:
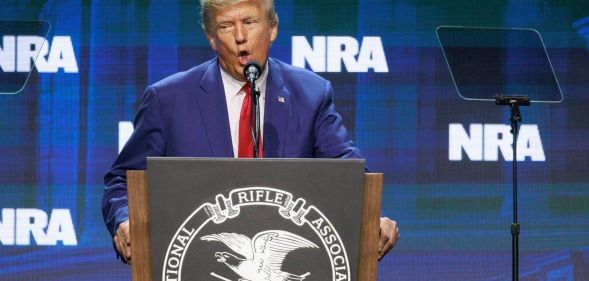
(389, 234)
(123, 241)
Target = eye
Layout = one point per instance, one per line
(225, 27)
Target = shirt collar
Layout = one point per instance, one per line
(232, 85)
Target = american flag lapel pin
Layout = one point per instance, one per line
(281, 99)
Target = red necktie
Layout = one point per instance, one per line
(246, 142)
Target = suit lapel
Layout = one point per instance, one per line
(276, 112)
(213, 109)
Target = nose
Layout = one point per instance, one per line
(240, 34)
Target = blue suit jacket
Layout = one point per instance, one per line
(185, 115)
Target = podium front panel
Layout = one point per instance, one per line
(232, 219)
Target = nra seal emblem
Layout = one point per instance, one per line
(256, 234)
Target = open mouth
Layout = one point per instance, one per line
(244, 57)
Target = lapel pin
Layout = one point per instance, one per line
(281, 99)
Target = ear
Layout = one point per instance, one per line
(212, 40)
(273, 32)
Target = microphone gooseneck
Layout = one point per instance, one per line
(251, 72)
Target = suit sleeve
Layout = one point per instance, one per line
(331, 137)
(146, 140)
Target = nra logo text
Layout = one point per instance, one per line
(484, 142)
(18, 226)
(18, 53)
(328, 53)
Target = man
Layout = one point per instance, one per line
(197, 112)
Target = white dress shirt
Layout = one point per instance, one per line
(234, 97)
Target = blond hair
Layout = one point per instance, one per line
(208, 8)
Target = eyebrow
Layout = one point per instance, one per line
(246, 17)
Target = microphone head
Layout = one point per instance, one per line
(252, 71)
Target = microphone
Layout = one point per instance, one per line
(252, 71)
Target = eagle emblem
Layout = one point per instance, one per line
(260, 258)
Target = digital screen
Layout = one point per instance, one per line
(447, 161)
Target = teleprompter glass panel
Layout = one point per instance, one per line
(20, 45)
(485, 62)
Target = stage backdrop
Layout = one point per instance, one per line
(447, 161)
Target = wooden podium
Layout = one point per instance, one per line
(140, 226)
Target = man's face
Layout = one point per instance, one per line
(241, 33)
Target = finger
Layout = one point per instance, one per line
(381, 243)
(127, 251)
(394, 238)
(123, 247)
(383, 240)
(389, 245)
(127, 242)
(385, 233)
(118, 244)
(120, 247)
(126, 233)
(394, 234)
(386, 250)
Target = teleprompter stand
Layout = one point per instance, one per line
(514, 102)
(486, 61)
